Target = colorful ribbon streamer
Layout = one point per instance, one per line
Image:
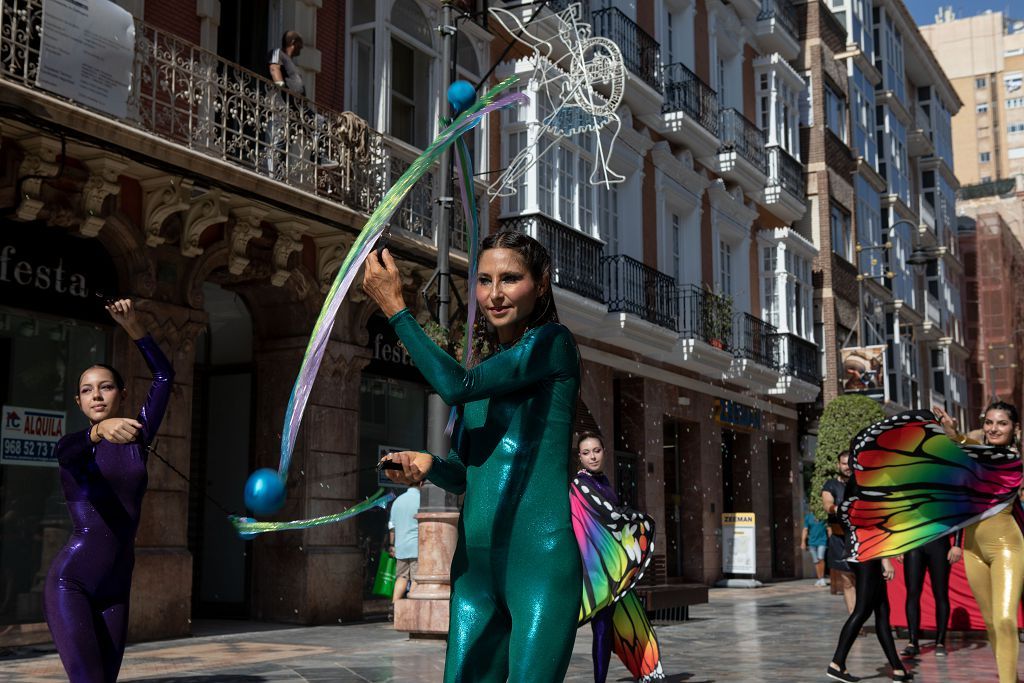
(362, 247)
(247, 527)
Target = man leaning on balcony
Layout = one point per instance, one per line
(290, 106)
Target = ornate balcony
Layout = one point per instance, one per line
(690, 110)
(784, 194)
(777, 27)
(194, 99)
(756, 350)
(801, 370)
(575, 257)
(634, 287)
(742, 157)
(640, 51)
(705, 332)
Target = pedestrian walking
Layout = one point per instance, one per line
(815, 541)
(403, 540)
(832, 495)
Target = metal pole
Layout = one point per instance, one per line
(433, 498)
(860, 310)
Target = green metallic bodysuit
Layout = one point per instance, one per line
(516, 574)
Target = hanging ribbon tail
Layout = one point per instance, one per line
(248, 528)
(362, 247)
(464, 171)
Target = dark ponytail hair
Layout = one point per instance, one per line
(118, 379)
(538, 262)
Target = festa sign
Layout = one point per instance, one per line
(739, 543)
(29, 436)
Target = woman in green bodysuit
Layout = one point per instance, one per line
(516, 573)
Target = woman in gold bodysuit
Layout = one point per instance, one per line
(994, 549)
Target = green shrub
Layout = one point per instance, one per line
(842, 418)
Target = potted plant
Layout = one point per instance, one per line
(717, 318)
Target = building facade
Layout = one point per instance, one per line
(881, 191)
(983, 56)
(689, 286)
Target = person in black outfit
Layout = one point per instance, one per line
(832, 495)
(937, 558)
(872, 598)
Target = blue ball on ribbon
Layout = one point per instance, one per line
(264, 492)
(461, 95)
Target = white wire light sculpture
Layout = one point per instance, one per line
(581, 79)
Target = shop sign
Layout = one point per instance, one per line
(737, 416)
(29, 436)
(86, 53)
(390, 357)
(739, 544)
(46, 269)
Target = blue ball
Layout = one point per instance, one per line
(461, 95)
(264, 492)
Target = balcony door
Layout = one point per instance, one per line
(244, 36)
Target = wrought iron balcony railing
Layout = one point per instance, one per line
(756, 340)
(635, 287)
(640, 51)
(706, 316)
(194, 98)
(743, 137)
(783, 12)
(686, 92)
(785, 171)
(799, 358)
(575, 257)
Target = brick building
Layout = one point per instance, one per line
(688, 285)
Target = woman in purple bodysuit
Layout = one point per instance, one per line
(103, 474)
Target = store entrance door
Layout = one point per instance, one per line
(223, 395)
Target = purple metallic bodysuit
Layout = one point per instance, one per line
(601, 624)
(88, 585)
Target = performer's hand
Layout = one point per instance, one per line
(123, 314)
(414, 467)
(888, 571)
(383, 283)
(118, 429)
(955, 554)
(947, 422)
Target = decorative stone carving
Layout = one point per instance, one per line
(103, 182)
(247, 226)
(39, 164)
(330, 253)
(206, 210)
(289, 241)
(164, 196)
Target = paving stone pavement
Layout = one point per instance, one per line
(783, 632)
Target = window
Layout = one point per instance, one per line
(842, 239)
(982, 108)
(608, 217)
(980, 83)
(677, 253)
(835, 112)
(985, 157)
(1015, 128)
(807, 102)
(725, 268)
(1012, 82)
(1015, 103)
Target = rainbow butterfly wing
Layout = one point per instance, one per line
(913, 484)
(616, 544)
(634, 640)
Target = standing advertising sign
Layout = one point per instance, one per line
(86, 53)
(739, 545)
(29, 436)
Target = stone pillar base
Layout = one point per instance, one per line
(422, 617)
(425, 611)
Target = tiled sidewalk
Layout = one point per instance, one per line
(785, 632)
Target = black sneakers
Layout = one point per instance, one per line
(837, 675)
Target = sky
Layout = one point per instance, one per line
(924, 10)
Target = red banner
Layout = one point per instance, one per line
(963, 610)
